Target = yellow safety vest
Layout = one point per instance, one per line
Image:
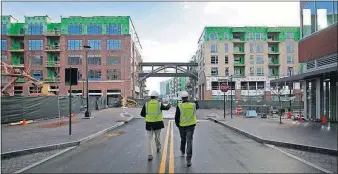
(153, 111)
(188, 111)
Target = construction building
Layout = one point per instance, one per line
(318, 53)
(246, 58)
(46, 48)
(171, 88)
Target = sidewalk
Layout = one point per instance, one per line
(44, 133)
(304, 133)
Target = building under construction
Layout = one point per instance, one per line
(39, 50)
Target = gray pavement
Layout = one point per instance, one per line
(40, 134)
(306, 133)
(216, 149)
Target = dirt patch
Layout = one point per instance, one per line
(113, 134)
(58, 124)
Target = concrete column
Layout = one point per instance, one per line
(327, 100)
(318, 98)
(304, 98)
(333, 99)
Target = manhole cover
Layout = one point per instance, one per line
(58, 124)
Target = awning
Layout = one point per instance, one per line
(300, 77)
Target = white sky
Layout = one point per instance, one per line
(194, 16)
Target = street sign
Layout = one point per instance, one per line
(224, 87)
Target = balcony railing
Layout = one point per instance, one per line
(52, 79)
(53, 48)
(52, 63)
(52, 33)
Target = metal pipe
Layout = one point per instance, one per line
(87, 113)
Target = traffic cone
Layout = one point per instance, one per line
(324, 121)
(73, 115)
(24, 123)
(300, 118)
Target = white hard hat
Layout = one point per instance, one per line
(184, 94)
(154, 94)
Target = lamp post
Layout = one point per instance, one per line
(289, 69)
(87, 113)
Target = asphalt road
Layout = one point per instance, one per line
(216, 150)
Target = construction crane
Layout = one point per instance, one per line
(15, 73)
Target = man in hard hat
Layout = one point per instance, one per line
(152, 111)
(185, 119)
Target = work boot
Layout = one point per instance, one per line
(150, 157)
(158, 149)
(188, 163)
(182, 153)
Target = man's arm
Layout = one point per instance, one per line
(165, 107)
(143, 111)
(177, 116)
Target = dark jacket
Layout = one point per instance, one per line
(154, 125)
(178, 115)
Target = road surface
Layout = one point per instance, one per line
(216, 150)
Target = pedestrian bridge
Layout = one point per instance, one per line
(167, 69)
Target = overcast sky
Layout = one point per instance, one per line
(168, 31)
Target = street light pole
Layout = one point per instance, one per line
(87, 113)
(289, 69)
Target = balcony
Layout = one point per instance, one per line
(20, 80)
(274, 72)
(239, 49)
(52, 33)
(274, 60)
(239, 37)
(53, 48)
(52, 79)
(52, 64)
(273, 38)
(273, 48)
(239, 72)
(17, 48)
(239, 61)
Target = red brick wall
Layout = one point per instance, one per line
(319, 45)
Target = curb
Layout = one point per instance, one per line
(11, 154)
(303, 147)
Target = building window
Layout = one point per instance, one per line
(3, 44)
(252, 47)
(260, 86)
(94, 44)
(290, 36)
(113, 74)
(324, 14)
(252, 71)
(226, 59)
(251, 36)
(290, 59)
(289, 48)
(35, 44)
(226, 48)
(252, 59)
(94, 59)
(36, 59)
(214, 71)
(214, 59)
(213, 48)
(113, 44)
(259, 48)
(94, 29)
(114, 29)
(74, 59)
(74, 44)
(290, 71)
(113, 60)
(35, 29)
(226, 37)
(4, 58)
(259, 59)
(4, 29)
(226, 71)
(213, 36)
(260, 71)
(259, 36)
(37, 74)
(75, 29)
(94, 74)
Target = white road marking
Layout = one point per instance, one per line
(299, 159)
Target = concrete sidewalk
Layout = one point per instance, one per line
(47, 133)
(301, 133)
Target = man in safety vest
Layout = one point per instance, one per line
(185, 119)
(152, 111)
